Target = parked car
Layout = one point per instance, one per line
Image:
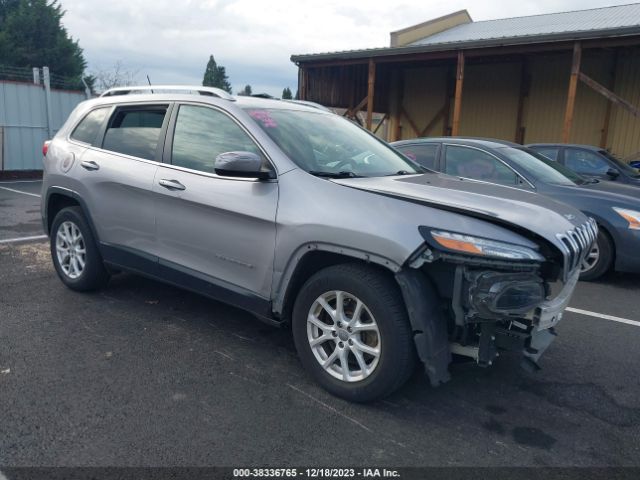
(304, 219)
(614, 206)
(589, 161)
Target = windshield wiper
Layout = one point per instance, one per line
(342, 174)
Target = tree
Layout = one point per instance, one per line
(32, 35)
(117, 76)
(216, 76)
(286, 94)
(246, 91)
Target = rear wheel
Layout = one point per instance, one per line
(352, 333)
(599, 259)
(74, 251)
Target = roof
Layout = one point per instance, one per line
(597, 19)
(606, 22)
(479, 141)
(577, 145)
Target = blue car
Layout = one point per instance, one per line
(589, 161)
(616, 207)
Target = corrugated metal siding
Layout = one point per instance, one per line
(23, 117)
(545, 106)
(490, 100)
(424, 97)
(624, 131)
(591, 107)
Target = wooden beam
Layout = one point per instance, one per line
(412, 124)
(370, 92)
(571, 95)
(457, 101)
(635, 111)
(380, 124)
(439, 114)
(522, 96)
(354, 111)
(604, 137)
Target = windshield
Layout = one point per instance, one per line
(541, 168)
(628, 169)
(329, 145)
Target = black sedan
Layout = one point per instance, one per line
(614, 206)
(589, 161)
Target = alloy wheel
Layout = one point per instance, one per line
(343, 336)
(71, 249)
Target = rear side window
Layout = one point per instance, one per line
(550, 152)
(425, 155)
(89, 127)
(135, 131)
(477, 165)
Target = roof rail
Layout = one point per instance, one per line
(209, 91)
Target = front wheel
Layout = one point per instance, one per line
(599, 259)
(352, 333)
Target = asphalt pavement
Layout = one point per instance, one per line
(144, 374)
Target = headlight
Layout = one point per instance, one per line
(630, 216)
(468, 244)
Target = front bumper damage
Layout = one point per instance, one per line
(490, 311)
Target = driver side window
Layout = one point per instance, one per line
(202, 133)
(477, 165)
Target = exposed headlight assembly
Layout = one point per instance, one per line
(630, 216)
(470, 245)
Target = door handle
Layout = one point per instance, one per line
(89, 165)
(172, 184)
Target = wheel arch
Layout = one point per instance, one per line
(312, 257)
(58, 198)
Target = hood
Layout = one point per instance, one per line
(614, 191)
(535, 213)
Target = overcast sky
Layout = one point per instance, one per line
(171, 40)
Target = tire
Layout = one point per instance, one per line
(384, 327)
(70, 232)
(603, 248)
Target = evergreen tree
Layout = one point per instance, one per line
(246, 91)
(216, 76)
(32, 35)
(286, 94)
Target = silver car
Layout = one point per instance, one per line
(306, 220)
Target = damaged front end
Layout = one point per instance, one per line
(478, 304)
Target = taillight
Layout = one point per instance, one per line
(45, 148)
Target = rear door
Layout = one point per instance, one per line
(116, 176)
(219, 231)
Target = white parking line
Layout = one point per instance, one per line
(20, 191)
(23, 239)
(9, 182)
(604, 317)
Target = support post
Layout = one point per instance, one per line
(394, 106)
(604, 137)
(522, 96)
(573, 88)
(36, 75)
(370, 93)
(47, 99)
(457, 101)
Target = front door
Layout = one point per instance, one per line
(218, 230)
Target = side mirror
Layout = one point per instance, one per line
(613, 173)
(241, 164)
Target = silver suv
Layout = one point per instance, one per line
(304, 219)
